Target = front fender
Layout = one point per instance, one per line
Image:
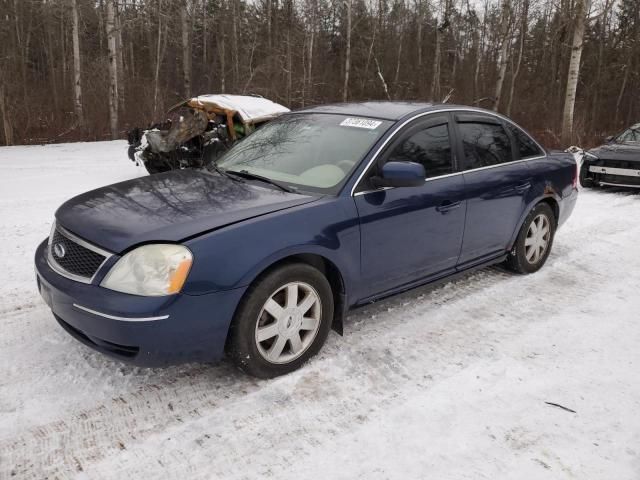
(306, 249)
(234, 256)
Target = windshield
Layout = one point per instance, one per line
(312, 152)
(631, 135)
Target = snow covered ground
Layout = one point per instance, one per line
(444, 383)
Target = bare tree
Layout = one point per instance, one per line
(113, 68)
(435, 81)
(312, 35)
(234, 41)
(204, 32)
(439, 31)
(503, 61)
(309, 51)
(186, 48)
(524, 22)
(581, 10)
(77, 68)
(119, 54)
(160, 45)
(6, 118)
(347, 56)
(222, 57)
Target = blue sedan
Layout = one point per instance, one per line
(316, 213)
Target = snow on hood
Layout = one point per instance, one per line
(250, 109)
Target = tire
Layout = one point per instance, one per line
(262, 339)
(523, 258)
(584, 180)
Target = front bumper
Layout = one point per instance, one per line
(144, 331)
(621, 177)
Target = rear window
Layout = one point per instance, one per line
(485, 144)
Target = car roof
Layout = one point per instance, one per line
(381, 110)
(250, 108)
(386, 110)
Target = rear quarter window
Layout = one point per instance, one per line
(524, 144)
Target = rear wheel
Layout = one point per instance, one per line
(534, 241)
(282, 321)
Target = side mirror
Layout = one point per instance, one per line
(401, 174)
(609, 139)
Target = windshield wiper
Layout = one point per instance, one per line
(249, 175)
(221, 172)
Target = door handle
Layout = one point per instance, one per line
(447, 206)
(523, 187)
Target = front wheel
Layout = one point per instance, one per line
(282, 321)
(534, 241)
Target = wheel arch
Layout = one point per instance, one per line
(551, 200)
(326, 266)
(553, 203)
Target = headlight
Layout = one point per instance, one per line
(150, 270)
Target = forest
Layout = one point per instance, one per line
(71, 70)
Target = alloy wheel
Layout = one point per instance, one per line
(288, 322)
(537, 240)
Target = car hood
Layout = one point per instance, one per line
(617, 151)
(168, 207)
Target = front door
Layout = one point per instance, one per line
(411, 233)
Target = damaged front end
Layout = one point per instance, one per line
(199, 130)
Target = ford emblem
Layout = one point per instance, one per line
(59, 250)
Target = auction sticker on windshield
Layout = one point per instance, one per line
(361, 123)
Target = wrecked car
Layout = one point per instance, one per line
(199, 130)
(616, 163)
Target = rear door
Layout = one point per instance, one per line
(412, 232)
(496, 183)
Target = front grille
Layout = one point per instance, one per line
(72, 257)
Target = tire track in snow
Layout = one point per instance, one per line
(103, 430)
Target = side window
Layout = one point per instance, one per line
(485, 144)
(525, 145)
(430, 147)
